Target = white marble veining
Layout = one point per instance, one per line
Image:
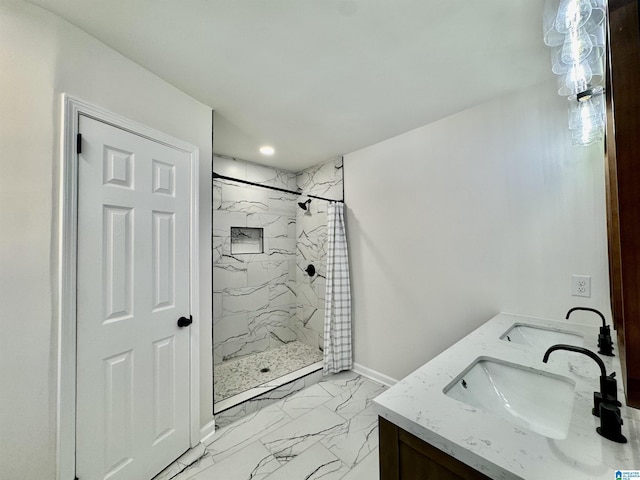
(354, 439)
(239, 198)
(264, 300)
(275, 226)
(495, 446)
(193, 457)
(282, 203)
(242, 170)
(225, 219)
(323, 180)
(253, 462)
(319, 463)
(292, 439)
(367, 469)
(254, 300)
(298, 437)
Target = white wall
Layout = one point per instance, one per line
(42, 56)
(485, 211)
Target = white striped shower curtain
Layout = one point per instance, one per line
(337, 306)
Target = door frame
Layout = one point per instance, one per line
(65, 313)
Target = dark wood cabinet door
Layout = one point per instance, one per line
(404, 456)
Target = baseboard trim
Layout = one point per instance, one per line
(207, 432)
(378, 377)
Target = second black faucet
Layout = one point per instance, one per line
(605, 344)
(605, 402)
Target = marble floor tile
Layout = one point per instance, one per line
(305, 401)
(253, 462)
(300, 437)
(367, 469)
(244, 431)
(355, 439)
(341, 382)
(295, 437)
(184, 462)
(201, 464)
(235, 413)
(356, 397)
(314, 464)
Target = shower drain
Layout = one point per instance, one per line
(265, 370)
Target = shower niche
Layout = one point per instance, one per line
(246, 240)
(268, 312)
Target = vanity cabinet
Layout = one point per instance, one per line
(404, 456)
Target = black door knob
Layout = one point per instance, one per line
(184, 321)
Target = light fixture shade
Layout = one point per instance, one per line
(576, 80)
(586, 120)
(596, 63)
(598, 11)
(577, 46)
(594, 24)
(575, 29)
(598, 35)
(551, 36)
(572, 14)
(595, 60)
(597, 105)
(584, 137)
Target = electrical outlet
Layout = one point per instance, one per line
(581, 286)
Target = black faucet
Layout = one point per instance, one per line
(605, 344)
(605, 402)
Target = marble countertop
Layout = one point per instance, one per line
(496, 447)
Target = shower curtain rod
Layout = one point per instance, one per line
(247, 182)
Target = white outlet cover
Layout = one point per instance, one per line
(581, 286)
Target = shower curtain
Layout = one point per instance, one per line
(337, 307)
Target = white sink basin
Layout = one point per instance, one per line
(540, 338)
(529, 398)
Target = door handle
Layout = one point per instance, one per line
(184, 321)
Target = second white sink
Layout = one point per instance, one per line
(540, 338)
(536, 400)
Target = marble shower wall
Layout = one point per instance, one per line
(264, 300)
(253, 294)
(323, 180)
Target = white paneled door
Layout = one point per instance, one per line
(132, 416)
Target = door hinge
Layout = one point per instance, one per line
(79, 150)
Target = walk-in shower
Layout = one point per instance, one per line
(268, 309)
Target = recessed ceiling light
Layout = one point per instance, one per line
(267, 150)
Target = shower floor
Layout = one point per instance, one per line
(240, 375)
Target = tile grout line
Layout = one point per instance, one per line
(349, 388)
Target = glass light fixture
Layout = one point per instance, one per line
(575, 29)
(594, 59)
(577, 46)
(572, 14)
(587, 117)
(551, 36)
(577, 78)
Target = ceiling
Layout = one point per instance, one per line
(322, 78)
